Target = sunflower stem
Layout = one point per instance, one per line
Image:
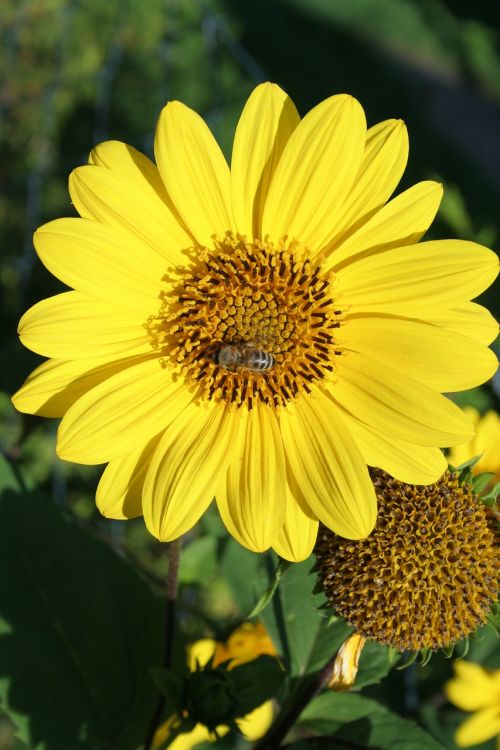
(174, 554)
(289, 715)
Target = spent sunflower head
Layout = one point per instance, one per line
(258, 333)
(427, 575)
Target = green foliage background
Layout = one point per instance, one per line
(80, 608)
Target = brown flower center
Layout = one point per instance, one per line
(427, 575)
(250, 321)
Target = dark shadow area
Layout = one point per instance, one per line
(78, 631)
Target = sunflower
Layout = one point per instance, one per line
(257, 334)
(476, 689)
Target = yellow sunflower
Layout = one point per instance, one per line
(257, 334)
(485, 443)
(476, 689)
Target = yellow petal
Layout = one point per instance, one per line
(245, 644)
(402, 221)
(119, 492)
(297, 538)
(316, 171)
(482, 726)
(345, 666)
(251, 499)
(105, 263)
(131, 164)
(384, 161)
(393, 403)
(266, 123)
(200, 652)
(328, 467)
(410, 463)
(469, 319)
(459, 454)
(473, 687)
(192, 454)
(440, 359)
(137, 169)
(73, 325)
(194, 172)
(255, 724)
(487, 442)
(411, 280)
(56, 384)
(128, 408)
(110, 198)
(186, 740)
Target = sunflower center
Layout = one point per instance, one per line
(251, 321)
(426, 577)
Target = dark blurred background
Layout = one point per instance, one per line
(76, 72)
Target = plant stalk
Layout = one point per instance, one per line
(174, 553)
(286, 720)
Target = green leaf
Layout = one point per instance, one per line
(198, 560)
(268, 594)
(490, 498)
(375, 663)
(304, 636)
(78, 631)
(9, 475)
(362, 720)
(256, 682)
(480, 481)
(241, 569)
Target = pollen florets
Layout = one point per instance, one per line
(272, 306)
(427, 575)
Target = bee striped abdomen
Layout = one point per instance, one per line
(244, 357)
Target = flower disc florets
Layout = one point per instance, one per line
(269, 310)
(427, 575)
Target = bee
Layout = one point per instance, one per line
(244, 356)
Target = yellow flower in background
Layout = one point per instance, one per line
(243, 645)
(246, 643)
(476, 689)
(259, 333)
(485, 443)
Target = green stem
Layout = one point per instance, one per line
(288, 717)
(268, 594)
(174, 553)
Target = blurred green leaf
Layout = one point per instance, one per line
(484, 648)
(454, 212)
(366, 722)
(198, 560)
(242, 571)
(171, 686)
(78, 631)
